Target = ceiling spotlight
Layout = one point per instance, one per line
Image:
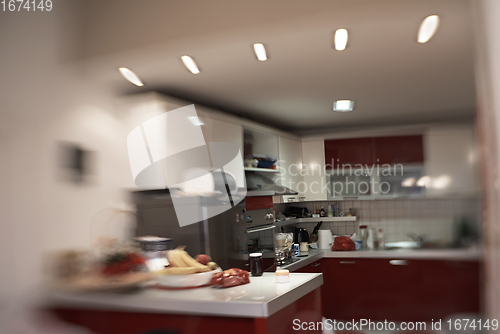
(343, 106)
(130, 76)
(340, 39)
(260, 51)
(190, 64)
(428, 28)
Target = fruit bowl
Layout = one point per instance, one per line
(186, 281)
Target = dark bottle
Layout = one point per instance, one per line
(256, 264)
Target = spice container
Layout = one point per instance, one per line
(256, 264)
(363, 233)
(330, 211)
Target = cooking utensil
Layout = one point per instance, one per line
(314, 235)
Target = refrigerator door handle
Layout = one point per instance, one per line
(261, 229)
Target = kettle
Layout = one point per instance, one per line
(300, 235)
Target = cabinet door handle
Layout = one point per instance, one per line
(347, 262)
(398, 262)
(315, 264)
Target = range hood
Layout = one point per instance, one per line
(260, 185)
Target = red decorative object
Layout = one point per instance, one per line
(343, 244)
(230, 277)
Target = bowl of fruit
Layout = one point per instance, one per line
(185, 271)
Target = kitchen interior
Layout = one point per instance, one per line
(350, 147)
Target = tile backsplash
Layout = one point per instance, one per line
(433, 218)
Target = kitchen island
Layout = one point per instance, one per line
(262, 306)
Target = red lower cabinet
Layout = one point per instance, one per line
(449, 287)
(399, 290)
(394, 289)
(345, 292)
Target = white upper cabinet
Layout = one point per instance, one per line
(221, 131)
(313, 170)
(260, 143)
(290, 166)
(450, 161)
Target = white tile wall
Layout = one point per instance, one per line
(434, 218)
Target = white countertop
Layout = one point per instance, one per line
(403, 254)
(260, 298)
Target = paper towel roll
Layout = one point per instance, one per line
(325, 239)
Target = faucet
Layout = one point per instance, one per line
(418, 238)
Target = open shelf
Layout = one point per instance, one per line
(265, 170)
(326, 219)
(314, 220)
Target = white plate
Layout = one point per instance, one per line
(184, 281)
(97, 282)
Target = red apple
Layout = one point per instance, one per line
(203, 259)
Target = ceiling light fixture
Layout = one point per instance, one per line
(343, 106)
(340, 39)
(190, 64)
(260, 51)
(130, 76)
(428, 28)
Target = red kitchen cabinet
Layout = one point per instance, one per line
(394, 289)
(449, 287)
(398, 150)
(348, 151)
(397, 290)
(346, 288)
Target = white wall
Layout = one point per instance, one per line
(487, 62)
(44, 100)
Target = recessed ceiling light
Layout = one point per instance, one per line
(343, 105)
(130, 76)
(428, 28)
(340, 39)
(260, 51)
(190, 64)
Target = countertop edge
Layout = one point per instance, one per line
(150, 303)
(425, 254)
(291, 296)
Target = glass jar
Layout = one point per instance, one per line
(256, 263)
(154, 250)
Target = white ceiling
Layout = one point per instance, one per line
(392, 78)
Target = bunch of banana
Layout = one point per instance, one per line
(181, 263)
